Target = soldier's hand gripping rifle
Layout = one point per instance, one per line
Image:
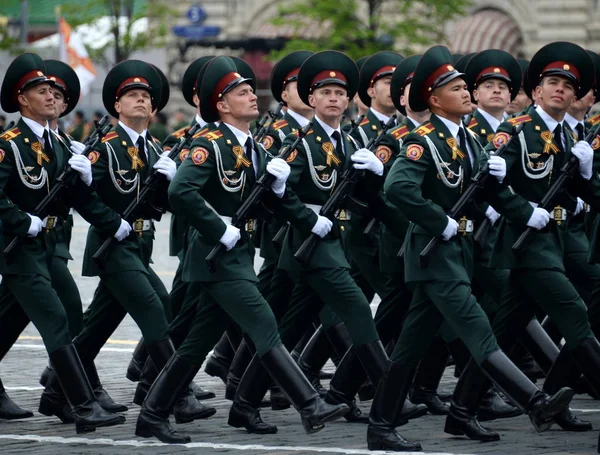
(147, 188)
(263, 185)
(340, 194)
(478, 181)
(263, 125)
(558, 186)
(65, 179)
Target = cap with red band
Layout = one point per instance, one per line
(442, 75)
(131, 83)
(328, 77)
(493, 64)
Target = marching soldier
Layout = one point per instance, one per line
(523, 99)
(210, 185)
(432, 170)
(32, 157)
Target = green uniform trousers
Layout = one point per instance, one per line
(433, 303)
(117, 294)
(176, 298)
(580, 273)
(221, 303)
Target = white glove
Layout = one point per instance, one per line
(166, 166)
(35, 226)
(584, 153)
(123, 230)
(492, 215)
(77, 147)
(365, 159)
(281, 170)
(497, 166)
(230, 237)
(82, 165)
(322, 227)
(580, 205)
(451, 229)
(539, 218)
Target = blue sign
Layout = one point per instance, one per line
(196, 14)
(196, 31)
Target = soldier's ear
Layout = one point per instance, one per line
(22, 99)
(371, 92)
(284, 96)
(402, 100)
(196, 100)
(476, 95)
(118, 106)
(311, 100)
(222, 106)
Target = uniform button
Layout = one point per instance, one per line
(342, 228)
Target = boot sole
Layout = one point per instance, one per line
(235, 424)
(546, 420)
(312, 428)
(201, 415)
(85, 428)
(454, 431)
(16, 416)
(387, 447)
(144, 432)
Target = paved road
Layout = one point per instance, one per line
(42, 435)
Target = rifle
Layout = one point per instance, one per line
(101, 255)
(63, 180)
(339, 195)
(355, 124)
(99, 125)
(262, 185)
(7, 127)
(566, 172)
(263, 125)
(478, 181)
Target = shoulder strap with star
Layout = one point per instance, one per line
(110, 136)
(594, 120)
(180, 132)
(279, 124)
(400, 132)
(520, 119)
(10, 134)
(201, 133)
(425, 129)
(210, 135)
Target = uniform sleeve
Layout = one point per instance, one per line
(186, 188)
(91, 207)
(13, 219)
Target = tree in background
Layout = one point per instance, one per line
(413, 24)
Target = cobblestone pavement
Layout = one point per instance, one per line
(21, 368)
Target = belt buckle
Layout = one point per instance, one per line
(560, 214)
(138, 226)
(465, 226)
(50, 223)
(250, 226)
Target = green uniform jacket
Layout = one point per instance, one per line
(480, 126)
(309, 166)
(206, 185)
(18, 169)
(114, 174)
(414, 186)
(544, 248)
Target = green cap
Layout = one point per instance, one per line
(190, 78)
(166, 89)
(596, 60)
(286, 70)
(456, 58)
(564, 59)
(494, 64)
(326, 68)
(374, 68)
(24, 72)
(434, 70)
(220, 76)
(66, 80)
(401, 78)
(129, 75)
(461, 63)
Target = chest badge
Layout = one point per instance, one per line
(39, 150)
(240, 158)
(456, 153)
(136, 162)
(329, 149)
(549, 145)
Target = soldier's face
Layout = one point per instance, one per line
(240, 102)
(519, 104)
(60, 104)
(555, 93)
(38, 102)
(492, 94)
(135, 104)
(292, 99)
(380, 92)
(453, 98)
(329, 101)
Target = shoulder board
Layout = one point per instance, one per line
(213, 135)
(364, 121)
(473, 123)
(10, 134)
(594, 120)
(201, 132)
(296, 133)
(279, 124)
(400, 132)
(110, 136)
(520, 119)
(425, 129)
(180, 132)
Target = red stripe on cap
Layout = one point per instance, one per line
(328, 74)
(565, 66)
(291, 74)
(381, 72)
(131, 80)
(440, 71)
(491, 70)
(35, 74)
(222, 84)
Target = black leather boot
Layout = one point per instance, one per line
(492, 407)
(428, 377)
(540, 346)
(104, 399)
(539, 406)
(240, 362)
(389, 399)
(587, 358)
(69, 376)
(9, 409)
(146, 379)
(314, 412)
(45, 375)
(167, 389)
(552, 330)
(201, 393)
(460, 354)
(218, 363)
(136, 365)
(297, 351)
(462, 417)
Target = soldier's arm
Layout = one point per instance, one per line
(186, 188)
(93, 209)
(14, 220)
